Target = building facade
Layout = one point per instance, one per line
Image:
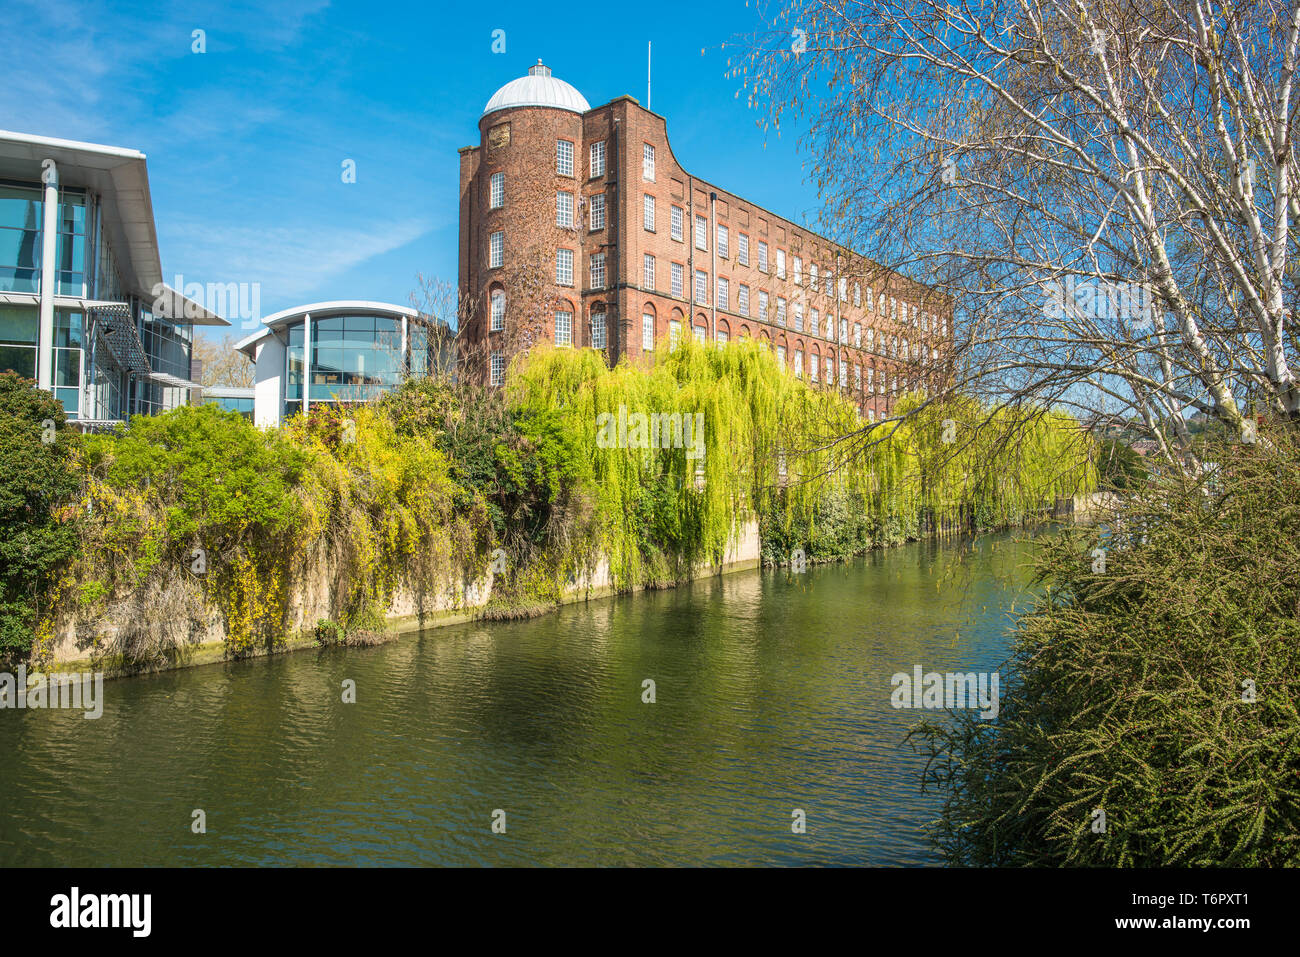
(83, 308)
(344, 351)
(579, 225)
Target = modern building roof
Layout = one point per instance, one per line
(538, 88)
(121, 179)
(334, 307)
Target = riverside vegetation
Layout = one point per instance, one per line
(425, 483)
(1151, 717)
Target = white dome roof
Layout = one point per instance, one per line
(538, 88)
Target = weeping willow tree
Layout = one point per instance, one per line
(688, 449)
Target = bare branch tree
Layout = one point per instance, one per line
(1104, 190)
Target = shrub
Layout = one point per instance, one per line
(1161, 689)
(38, 484)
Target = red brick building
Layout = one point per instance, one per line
(581, 223)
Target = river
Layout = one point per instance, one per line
(772, 693)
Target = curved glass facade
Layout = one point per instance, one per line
(353, 358)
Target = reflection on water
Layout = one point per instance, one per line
(772, 694)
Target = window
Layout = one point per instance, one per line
(648, 162)
(598, 330)
(598, 158)
(798, 272)
(648, 212)
(496, 250)
(871, 340)
(699, 333)
(722, 241)
(829, 288)
(893, 347)
(893, 308)
(844, 289)
(869, 305)
(563, 328)
(598, 212)
(780, 356)
(844, 331)
(828, 366)
(857, 295)
(780, 264)
(780, 312)
(564, 157)
(675, 223)
(648, 271)
(564, 267)
(677, 278)
(722, 338)
(798, 364)
(497, 191)
(857, 377)
(798, 314)
(762, 256)
(813, 363)
(674, 333)
(871, 384)
(564, 210)
(762, 305)
(498, 368)
(498, 310)
(829, 334)
(701, 233)
(648, 331)
(857, 335)
(724, 293)
(742, 300)
(597, 270)
(701, 286)
(742, 249)
(844, 374)
(814, 322)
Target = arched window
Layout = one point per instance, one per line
(498, 310)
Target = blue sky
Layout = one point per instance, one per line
(245, 142)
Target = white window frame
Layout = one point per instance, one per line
(496, 190)
(596, 157)
(563, 333)
(648, 162)
(497, 315)
(596, 270)
(497, 249)
(597, 212)
(564, 158)
(564, 267)
(648, 212)
(648, 271)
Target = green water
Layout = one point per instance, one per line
(773, 693)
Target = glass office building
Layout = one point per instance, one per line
(118, 340)
(338, 352)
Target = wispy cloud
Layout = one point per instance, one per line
(290, 261)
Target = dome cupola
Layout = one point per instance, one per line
(538, 88)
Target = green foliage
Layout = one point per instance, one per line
(38, 483)
(416, 489)
(1128, 686)
(1119, 467)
